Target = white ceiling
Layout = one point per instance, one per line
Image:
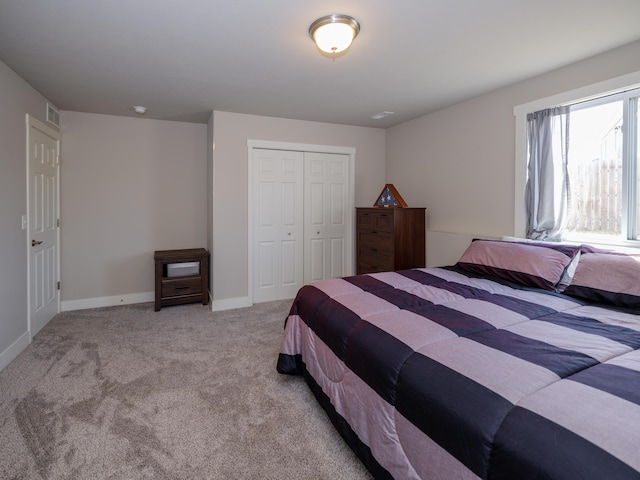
(184, 58)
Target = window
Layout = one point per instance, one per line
(603, 201)
(581, 96)
(580, 178)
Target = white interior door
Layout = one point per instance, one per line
(326, 233)
(43, 231)
(277, 224)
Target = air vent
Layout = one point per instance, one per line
(53, 115)
(380, 115)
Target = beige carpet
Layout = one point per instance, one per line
(128, 393)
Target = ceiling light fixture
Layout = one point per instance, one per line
(139, 109)
(334, 33)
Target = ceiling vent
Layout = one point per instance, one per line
(380, 115)
(53, 115)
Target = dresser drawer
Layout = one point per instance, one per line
(377, 260)
(375, 253)
(376, 221)
(181, 286)
(365, 266)
(375, 238)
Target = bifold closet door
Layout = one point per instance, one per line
(326, 189)
(278, 227)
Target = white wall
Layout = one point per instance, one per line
(230, 183)
(17, 98)
(129, 186)
(459, 162)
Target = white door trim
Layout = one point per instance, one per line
(300, 147)
(30, 122)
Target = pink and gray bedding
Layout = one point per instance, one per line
(607, 277)
(441, 373)
(540, 265)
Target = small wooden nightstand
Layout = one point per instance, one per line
(188, 287)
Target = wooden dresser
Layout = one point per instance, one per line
(389, 239)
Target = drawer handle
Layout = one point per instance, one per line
(374, 249)
(182, 288)
(375, 232)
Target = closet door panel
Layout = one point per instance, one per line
(277, 224)
(301, 218)
(326, 199)
(316, 259)
(338, 247)
(266, 260)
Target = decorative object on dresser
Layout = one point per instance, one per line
(390, 197)
(389, 239)
(181, 276)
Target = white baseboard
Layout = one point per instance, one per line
(217, 305)
(69, 305)
(230, 303)
(13, 350)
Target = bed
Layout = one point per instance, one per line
(522, 361)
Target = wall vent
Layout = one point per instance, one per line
(53, 115)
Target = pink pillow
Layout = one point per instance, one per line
(608, 278)
(530, 264)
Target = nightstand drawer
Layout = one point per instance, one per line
(181, 286)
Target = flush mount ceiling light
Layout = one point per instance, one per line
(334, 33)
(139, 109)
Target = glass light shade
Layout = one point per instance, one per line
(334, 37)
(334, 33)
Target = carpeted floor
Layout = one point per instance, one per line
(184, 393)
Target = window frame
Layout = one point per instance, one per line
(628, 97)
(610, 87)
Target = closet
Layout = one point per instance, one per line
(300, 219)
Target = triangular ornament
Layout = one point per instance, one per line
(389, 197)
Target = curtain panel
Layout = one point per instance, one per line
(547, 190)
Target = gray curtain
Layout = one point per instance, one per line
(547, 190)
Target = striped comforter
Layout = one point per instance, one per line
(431, 373)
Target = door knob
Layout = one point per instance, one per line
(36, 242)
